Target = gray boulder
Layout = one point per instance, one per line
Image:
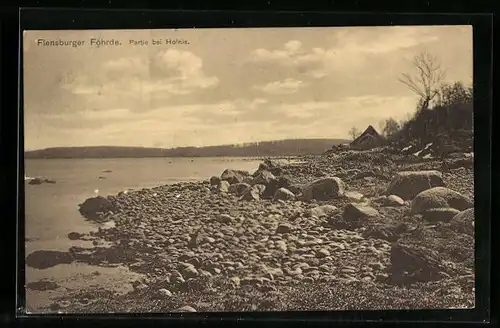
(270, 165)
(93, 206)
(238, 188)
(324, 189)
(408, 184)
(215, 181)
(234, 176)
(439, 197)
(463, 222)
(250, 194)
(355, 212)
(263, 177)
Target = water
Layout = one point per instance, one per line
(51, 210)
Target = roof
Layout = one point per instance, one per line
(370, 138)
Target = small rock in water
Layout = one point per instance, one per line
(74, 236)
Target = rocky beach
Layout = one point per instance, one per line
(347, 230)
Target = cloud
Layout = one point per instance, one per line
(287, 86)
(171, 72)
(352, 49)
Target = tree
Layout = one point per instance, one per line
(390, 127)
(353, 132)
(426, 82)
(452, 94)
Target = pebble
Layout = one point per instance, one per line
(164, 292)
(322, 253)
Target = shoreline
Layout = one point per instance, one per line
(241, 243)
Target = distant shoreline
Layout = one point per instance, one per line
(258, 158)
(275, 149)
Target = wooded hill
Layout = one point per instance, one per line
(289, 147)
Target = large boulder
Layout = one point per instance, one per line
(463, 222)
(238, 188)
(324, 189)
(92, 207)
(269, 165)
(264, 177)
(439, 197)
(408, 184)
(215, 181)
(431, 252)
(273, 183)
(252, 193)
(356, 212)
(234, 176)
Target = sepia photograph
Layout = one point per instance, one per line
(248, 169)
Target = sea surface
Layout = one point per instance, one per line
(51, 210)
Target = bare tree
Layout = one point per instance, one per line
(426, 82)
(353, 132)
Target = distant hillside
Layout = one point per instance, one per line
(290, 147)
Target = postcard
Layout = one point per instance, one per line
(249, 169)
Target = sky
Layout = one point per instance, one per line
(226, 86)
